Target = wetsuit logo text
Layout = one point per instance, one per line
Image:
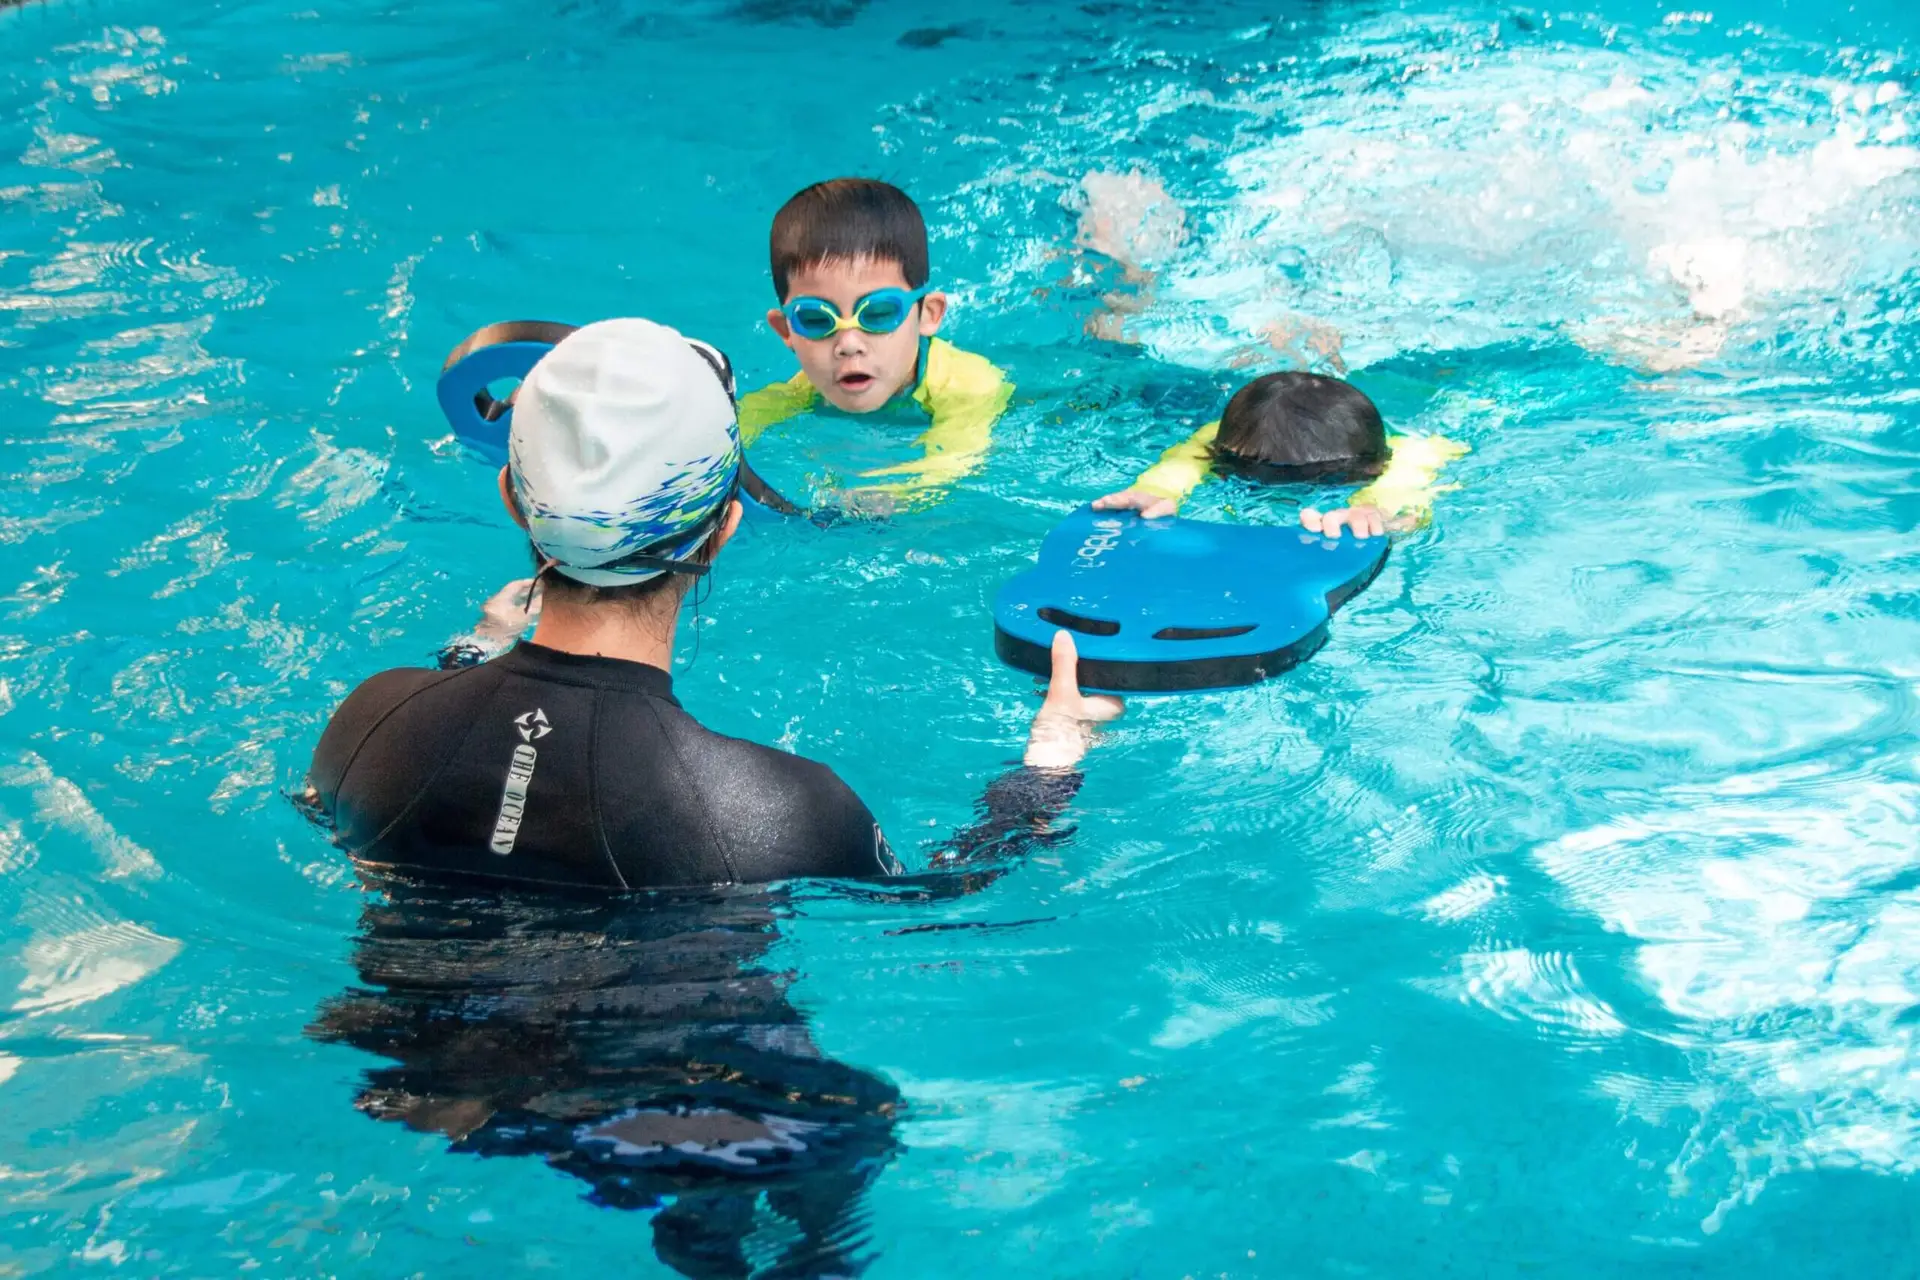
(1105, 537)
(513, 799)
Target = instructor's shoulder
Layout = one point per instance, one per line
(372, 706)
(388, 690)
(818, 826)
(839, 820)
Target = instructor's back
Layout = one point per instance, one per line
(568, 761)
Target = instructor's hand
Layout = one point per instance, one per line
(1063, 727)
(509, 612)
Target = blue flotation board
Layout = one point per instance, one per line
(488, 357)
(506, 352)
(1167, 606)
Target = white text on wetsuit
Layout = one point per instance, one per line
(513, 799)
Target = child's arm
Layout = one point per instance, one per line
(1163, 486)
(965, 394)
(1401, 499)
(1131, 220)
(953, 447)
(773, 403)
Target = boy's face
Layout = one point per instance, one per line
(855, 370)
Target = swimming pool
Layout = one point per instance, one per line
(1562, 917)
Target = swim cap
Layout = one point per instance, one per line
(623, 452)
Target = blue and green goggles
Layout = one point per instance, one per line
(881, 311)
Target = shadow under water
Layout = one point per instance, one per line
(640, 1045)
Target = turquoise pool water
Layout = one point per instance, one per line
(1561, 918)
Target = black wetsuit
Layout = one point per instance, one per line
(639, 1042)
(543, 767)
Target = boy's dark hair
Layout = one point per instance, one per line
(1301, 426)
(847, 219)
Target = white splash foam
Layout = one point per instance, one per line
(1646, 204)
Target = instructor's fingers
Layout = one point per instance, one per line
(1161, 507)
(1310, 519)
(1063, 693)
(1063, 687)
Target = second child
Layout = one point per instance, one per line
(1302, 428)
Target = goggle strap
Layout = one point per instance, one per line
(645, 557)
(722, 367)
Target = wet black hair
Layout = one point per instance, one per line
(559, 586)
(1288, 427)
(848, 219)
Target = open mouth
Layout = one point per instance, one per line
(855, 382)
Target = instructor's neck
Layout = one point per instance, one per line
(604, 631)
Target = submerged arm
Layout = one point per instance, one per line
(772, 404)
(965, 395)
(953, 447)
(1016, 812)
(1411, 480)
(1401, 500)
(1162, 487)
(1019, 807)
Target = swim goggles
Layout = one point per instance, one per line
(881, 311)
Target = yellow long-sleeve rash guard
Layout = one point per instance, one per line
(963, 394)
(1407, 486)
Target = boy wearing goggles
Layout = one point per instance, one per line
(850, 267)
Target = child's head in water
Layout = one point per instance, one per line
(1282, 428)
(1288, 427)
(852, 253)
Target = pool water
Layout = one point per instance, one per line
(1561, 918)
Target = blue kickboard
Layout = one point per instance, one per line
(1167, 606)
(496, 354)
(506, 352)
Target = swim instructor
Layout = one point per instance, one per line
(567, 760)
